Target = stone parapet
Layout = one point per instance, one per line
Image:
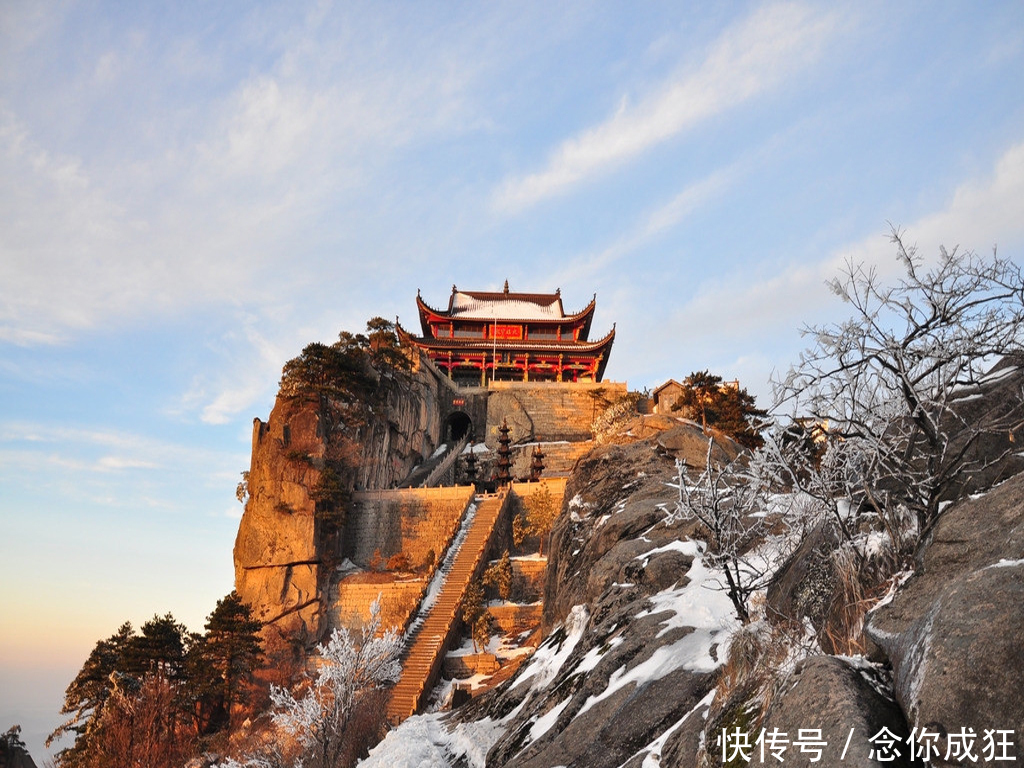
(463, 665)
(515, 618)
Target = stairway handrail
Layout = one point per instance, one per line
(445, 464)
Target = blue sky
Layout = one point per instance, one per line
(191, 192)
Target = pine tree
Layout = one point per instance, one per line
(87, 695)
(473, 611)
(541, 513)
(499, 576)
(119, 669)
(232, 649)
(727, 408)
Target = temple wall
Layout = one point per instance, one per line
(350, 604)
(547, 411)
(413, 521)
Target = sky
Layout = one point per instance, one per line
(191, 192)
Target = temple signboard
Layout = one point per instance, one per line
(506, 332)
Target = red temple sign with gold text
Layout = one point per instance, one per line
(507, 332)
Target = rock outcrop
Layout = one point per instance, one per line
(277, 550)
(952, 633)
(847, 705)
(626, 669)
(290, 540)
(617, 492)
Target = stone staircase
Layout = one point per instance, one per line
(427, 647)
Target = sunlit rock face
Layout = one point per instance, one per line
(614, 499)
(285, 553)
(277, 556)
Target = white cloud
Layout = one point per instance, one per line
(980, 213)
(652, 225)
(749, 59)
(248, 374)
(214, 194)
(123, 462)
(27, 444)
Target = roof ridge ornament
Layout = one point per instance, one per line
(506, 285)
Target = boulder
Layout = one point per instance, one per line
(953, 632)
(805, 586)
(826, 693)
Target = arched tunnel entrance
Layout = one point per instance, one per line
(458, 426)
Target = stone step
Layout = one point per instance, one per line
(427, 644)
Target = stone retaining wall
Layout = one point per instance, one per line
(559, 458)
(547, 411)
(461, 666)
(413, 521)
(514, 618)
(350, 603)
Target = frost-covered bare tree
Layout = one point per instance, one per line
(730, 503)
(825, 479)
(317, 720)
(896, 381)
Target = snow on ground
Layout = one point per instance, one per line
(652, 752)
(1004, 563)
(554, 651)
(544, 723)
(578, 508)
(995, 376)
(535, 557)
(700, 605)
(503, 647)
(423, 741)
(440, 450)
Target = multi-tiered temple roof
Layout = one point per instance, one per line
(488, 336)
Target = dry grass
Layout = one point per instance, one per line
(759, 659)
(860, 583)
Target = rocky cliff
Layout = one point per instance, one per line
(307, 458)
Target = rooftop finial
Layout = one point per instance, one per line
(506, 285)
(454, 289)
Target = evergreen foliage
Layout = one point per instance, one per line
(538, 516)
(729, 409)
(11, 746)
(475, 615)
(347, 370)
(232, 648)
(141, 698)
(499, 576)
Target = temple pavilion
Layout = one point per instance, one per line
(486, 336)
